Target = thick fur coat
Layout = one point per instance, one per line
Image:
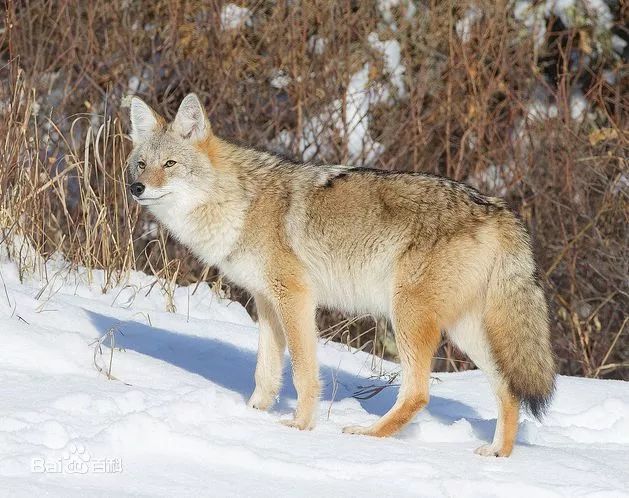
(427, 252)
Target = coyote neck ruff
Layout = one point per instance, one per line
(429, 253)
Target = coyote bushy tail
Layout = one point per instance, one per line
(517, 321)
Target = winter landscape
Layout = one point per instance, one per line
(126, 363)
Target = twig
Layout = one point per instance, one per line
(98, 350)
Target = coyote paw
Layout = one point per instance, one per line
(358, 429)
(302, 425)
(261, 401)
(491, 450)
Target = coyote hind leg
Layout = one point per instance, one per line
(506, 425)
(470, 336)
(417, 337)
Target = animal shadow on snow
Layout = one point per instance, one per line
(233, 368)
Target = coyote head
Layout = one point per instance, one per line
(167, 165)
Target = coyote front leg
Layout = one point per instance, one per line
(296, 310)
(271, 347)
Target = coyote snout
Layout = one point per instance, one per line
(147, 195)
(429, 253)
(137, 189)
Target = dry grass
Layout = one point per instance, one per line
(465, 112)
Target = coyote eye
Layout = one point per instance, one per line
(170, 163)
(141, 164)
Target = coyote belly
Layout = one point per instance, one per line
(429, 253)
(352, 289)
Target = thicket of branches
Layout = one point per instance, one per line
(518, 98)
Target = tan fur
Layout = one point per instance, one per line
(509, 414)
(216, 150)
(427, 252)
(271, 347)
(153, 177)
(417, 336)
(506, 426)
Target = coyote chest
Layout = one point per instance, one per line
(210, 238)
(246, 270)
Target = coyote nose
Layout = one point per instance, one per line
(137, 188)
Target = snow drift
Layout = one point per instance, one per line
(175, 420)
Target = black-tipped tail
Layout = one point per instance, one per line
(537, 405)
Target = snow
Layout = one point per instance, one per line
(496, 179)
(600, 11)
(572, 13)
(618, 44)
(317, 44)
(542, 105)
(533, 18)
(279, 79)
(360, 144)
(134, 84)
(320, 131)
(385, 7)
(463, 26)
(578, 105)
(234, 17)
(392, 55)
(538, 110)
(176, 422)
(353, 125)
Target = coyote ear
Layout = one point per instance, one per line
(144, 121)
(191, 121)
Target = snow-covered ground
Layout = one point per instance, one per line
(175, 422)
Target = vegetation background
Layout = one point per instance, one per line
(526, 100)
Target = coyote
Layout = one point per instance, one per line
(427, 252)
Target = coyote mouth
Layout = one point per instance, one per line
(145, 201)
